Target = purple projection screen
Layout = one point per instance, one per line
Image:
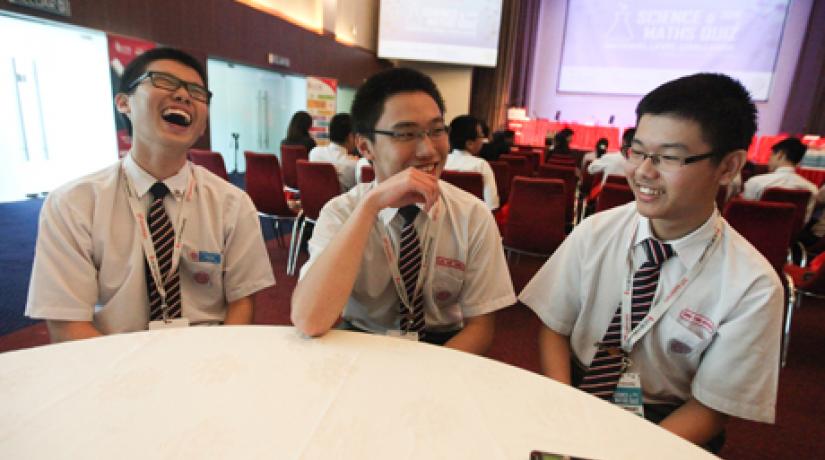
(630, 47)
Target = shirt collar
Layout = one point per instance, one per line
(688, 248)
(785, 170)
(459, 153)
(142, 181)
(388, 214)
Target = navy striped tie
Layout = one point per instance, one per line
(409, 265)
(163, 238)
(606, 368)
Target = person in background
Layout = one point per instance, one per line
(298, 131)
(613, 163)
(152, 241)
(406, 255)
(339, 150)
(561, 142)
(785, 156)
(601, 149)
(466, 140)
(500, 145)
(661, 298)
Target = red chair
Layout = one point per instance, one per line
(213, 161)
(367, 174)
(290, 154)
(800, 199)
(806, 282)
(318, 183)
(264, 186)
(571, 181)
(533, 160)
(586, 184)
(616, 179)
(613, 195)
(535, 225)
(501, 171)
(767, 226)
(470, 182)
(517, 164)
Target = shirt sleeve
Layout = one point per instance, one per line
(739, 371)
(490, 190)
(487, 283)
(64, 276)
(553, 293)
(247, 267)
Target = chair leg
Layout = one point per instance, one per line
(794, 301)
(290, 269)
(276, 226)
(804, 254)
(298, 246)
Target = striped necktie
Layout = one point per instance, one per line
(409, 265)
(607, 366)
(163, 238)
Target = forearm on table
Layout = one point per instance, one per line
(321, 294)
(695, 422)
(61, 331)
(555, 355)
(240, 311)
(476, 336)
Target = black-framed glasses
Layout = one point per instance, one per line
(406, 135)
(170, 82)
(663, 162)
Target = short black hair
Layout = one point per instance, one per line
(793, 148)
(368, 104)
(138, 66)
(463, 128)
(719, 104)
(627, 138)
(340, 127)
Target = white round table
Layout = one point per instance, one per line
(267, 392)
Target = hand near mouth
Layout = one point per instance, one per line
(407, 187)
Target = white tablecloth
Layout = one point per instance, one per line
(267, 392)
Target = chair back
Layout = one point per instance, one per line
(613, 195)
(264, 185)
(616, 179)
(501, 171)
(518, 165)
(213, 161)
(367, 174)
(766, 225)
(796, 197)
(562, 159)
(470, 182)
(318, 183)
(290, 154)
(571, 180)
(536, 219)
(533, 160)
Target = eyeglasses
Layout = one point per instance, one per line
(407, 135)
(662, 162)
(170, 82)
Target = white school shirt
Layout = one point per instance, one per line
(342, 160)
(784, 177)
(467, 272)
(461, 160)
(719, 342)
(608, 164)
(89, 263)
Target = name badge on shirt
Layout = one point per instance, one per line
(173, 323)
(210, 257)
(628, 394)
(403, 335)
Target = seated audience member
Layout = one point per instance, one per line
(785, 155)
(153, 240)
(338, 151)
(815, 229)
(612, 163)
(466, 139)
(561, 142)
(662, 293)
(500, 145)
(601, 149)
(297, 133)
(406, 255)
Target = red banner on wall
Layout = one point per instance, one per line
(121, 52)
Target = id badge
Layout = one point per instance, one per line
(403, 335)
(173, 323)
(628, 394)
